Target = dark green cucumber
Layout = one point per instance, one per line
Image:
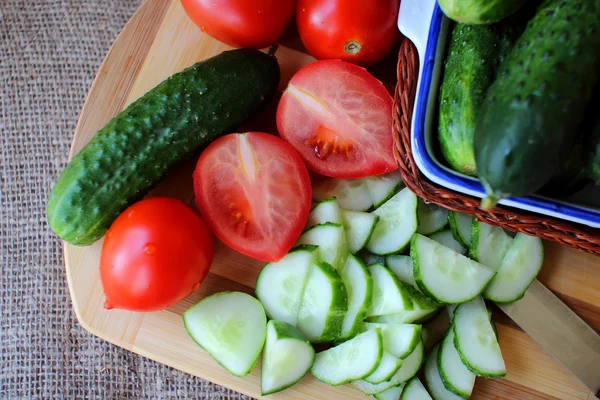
(166, 126)
(480, 11)
(572, 175)
(474, 55)
(592, 138)
(528, 119)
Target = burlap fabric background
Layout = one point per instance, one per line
(49, 53)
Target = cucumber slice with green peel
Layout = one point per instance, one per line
(387, 367)
(359, 227)
(351, 194)
(489, 244)
(351, 360)
(280, 285)
(447, 239)
(404, 317)
(460, 225)
(456, 377)
(324, 304)
(432, 218)
(383, 187)
(519, 268)
(397, 224)
(331, 240)
(231, 327)
(400, 340)
(389, 294)
(359, 285)
(402, 266)
(370, 258)
(475, 340)
(414, 390)
(392, 393)
(433, 379)
(451, 308)
(287, 357)
(444, 275)
(409, 368)
(325, 211)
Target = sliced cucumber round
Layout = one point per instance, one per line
(451, 308)
(331, 240)
(456, 377)
(359, 227)
(397, 224)
(446, 238)
(325, 211)
(400, 340)
(409, 368)
(476, 341)
(353, 359)
(351, 194)
(389, 294)
(434, 382)
(324, 304)
(519, 268)
(402, 266)
(359, 286)
(387, 367)
(432, 218)
(460, 225)
(280, 285)
(231, 327)
(287, 357)
(489, 244)
(414, 390)
(404, 317)
(383, 187)
(392, 393)
(370, 258)
(445, 275)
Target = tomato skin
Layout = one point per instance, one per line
(154, 255)
(358, 31)
(259, 212)
(242, 23)
(338, 117)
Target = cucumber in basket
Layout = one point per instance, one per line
(480, 11)
(464, 86)
(526, 125)
(132, 153)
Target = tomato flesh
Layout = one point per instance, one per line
(254, 192)
(154, 255)
(339, 119)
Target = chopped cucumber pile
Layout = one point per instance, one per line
(371, 305)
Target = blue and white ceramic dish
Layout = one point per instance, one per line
(424, 24)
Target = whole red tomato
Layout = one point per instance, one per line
(154, 255)
(358, 31)
(241, 23)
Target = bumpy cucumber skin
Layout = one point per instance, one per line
(528, 119)
(480, 11)
(474, 55)
(134, 151)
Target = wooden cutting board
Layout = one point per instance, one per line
(158, 41)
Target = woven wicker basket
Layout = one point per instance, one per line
(569, 234)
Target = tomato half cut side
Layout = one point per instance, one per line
(339, 119)
(254, 192)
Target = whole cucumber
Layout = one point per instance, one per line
(532, 112)
(474, 56)
(480, 11)
(593, 163)
(166, 126)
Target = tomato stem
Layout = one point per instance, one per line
(352, 47)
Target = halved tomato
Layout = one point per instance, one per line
(339, 118)
(254, 192)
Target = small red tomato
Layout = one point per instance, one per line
(254, 192)
(358, 31)
(338, 117)
(241, 23)
(154, 255)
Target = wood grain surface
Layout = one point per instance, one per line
(158, 41)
